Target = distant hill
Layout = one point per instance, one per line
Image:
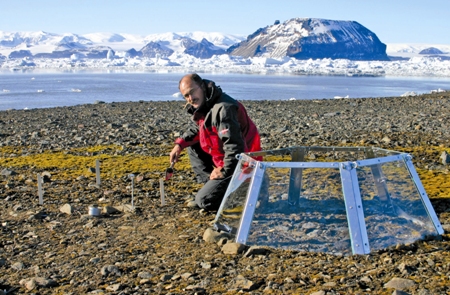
(431, 50)
(412, 50)
(305, 38)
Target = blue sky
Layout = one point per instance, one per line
(394, 21)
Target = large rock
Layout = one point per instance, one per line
(305, 38)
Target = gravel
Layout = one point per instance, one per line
(58, 248)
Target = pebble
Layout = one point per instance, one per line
(233, 248)
(66, 208)
(240, 282)
(212, 236)
(399, 283)
(17, 266)
(256, 250)
(110, 270)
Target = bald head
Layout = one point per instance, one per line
(191, 78)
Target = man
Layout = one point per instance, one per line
(220, 130)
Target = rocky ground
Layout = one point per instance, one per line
(57, 248)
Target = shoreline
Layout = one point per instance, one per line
(234, 70)
(441, 92)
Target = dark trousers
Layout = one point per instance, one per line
(210, 196)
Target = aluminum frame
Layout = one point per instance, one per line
(250, 204)
(350, 187)
(354, 208)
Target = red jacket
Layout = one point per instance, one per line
(223, 128)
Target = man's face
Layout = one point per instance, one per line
(192, 93)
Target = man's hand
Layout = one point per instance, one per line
(216, 173)
(175, 153)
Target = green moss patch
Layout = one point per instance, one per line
(75, 162)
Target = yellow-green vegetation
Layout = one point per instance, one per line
(435, 182)
(69, 164)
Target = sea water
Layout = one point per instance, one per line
(43, 90)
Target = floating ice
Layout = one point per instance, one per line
(417, 66)
(340, 97)
(409, 93)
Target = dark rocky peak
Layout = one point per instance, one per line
(305, 38)
(20, 54)
(204, 49)
(133, 53)
(188, 42)
(154, 49)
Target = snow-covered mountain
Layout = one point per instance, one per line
(298, 38)
(304, 38)
(50, 45)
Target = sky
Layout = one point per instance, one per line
(393, 21)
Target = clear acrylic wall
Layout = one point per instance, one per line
(327, 199)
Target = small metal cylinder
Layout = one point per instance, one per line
(94, 211)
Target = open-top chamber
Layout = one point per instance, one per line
(339, 200)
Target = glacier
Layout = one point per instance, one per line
(416, 66)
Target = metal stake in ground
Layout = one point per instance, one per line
(40, 191)
(97, 171)
(131, 176)
(161, 189)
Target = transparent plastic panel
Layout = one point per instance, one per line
(316, 223)
(393, 208)
(230, 212)
(378, 153)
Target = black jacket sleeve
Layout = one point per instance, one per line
(229, 132)
(190, 135)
